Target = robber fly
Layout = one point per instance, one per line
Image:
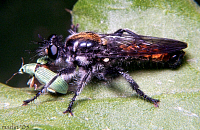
(101, 55)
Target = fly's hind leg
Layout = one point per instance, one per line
(121, 31)
(176, 59)
(135, 87)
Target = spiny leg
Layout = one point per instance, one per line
(135, 87)
(32, 99)
(69, 109)
(85, 78)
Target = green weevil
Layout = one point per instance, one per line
(44, 76)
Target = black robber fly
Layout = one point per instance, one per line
(85, 55)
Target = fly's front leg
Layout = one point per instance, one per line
(44, 88)
(85, 77)
(135, 87)
(32, 99)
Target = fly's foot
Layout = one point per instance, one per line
(156, 102)
(25, 102)
(68, 111)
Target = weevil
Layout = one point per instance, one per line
(45, 76)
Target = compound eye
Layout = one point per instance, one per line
(53, 52)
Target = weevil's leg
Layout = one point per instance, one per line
(85, 78)
(44, 88)
(135, 87)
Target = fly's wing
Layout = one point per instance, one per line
(138, 45)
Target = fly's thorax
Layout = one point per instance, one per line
(83, 41)
(82, 60)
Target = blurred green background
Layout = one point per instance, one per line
(20, 24)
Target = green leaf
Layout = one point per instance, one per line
(115, 106)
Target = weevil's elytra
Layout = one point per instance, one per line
(45, 76)
(102, 55)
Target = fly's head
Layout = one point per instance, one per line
(53, 47)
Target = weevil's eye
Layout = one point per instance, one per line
(53, 52)
(21, 71)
